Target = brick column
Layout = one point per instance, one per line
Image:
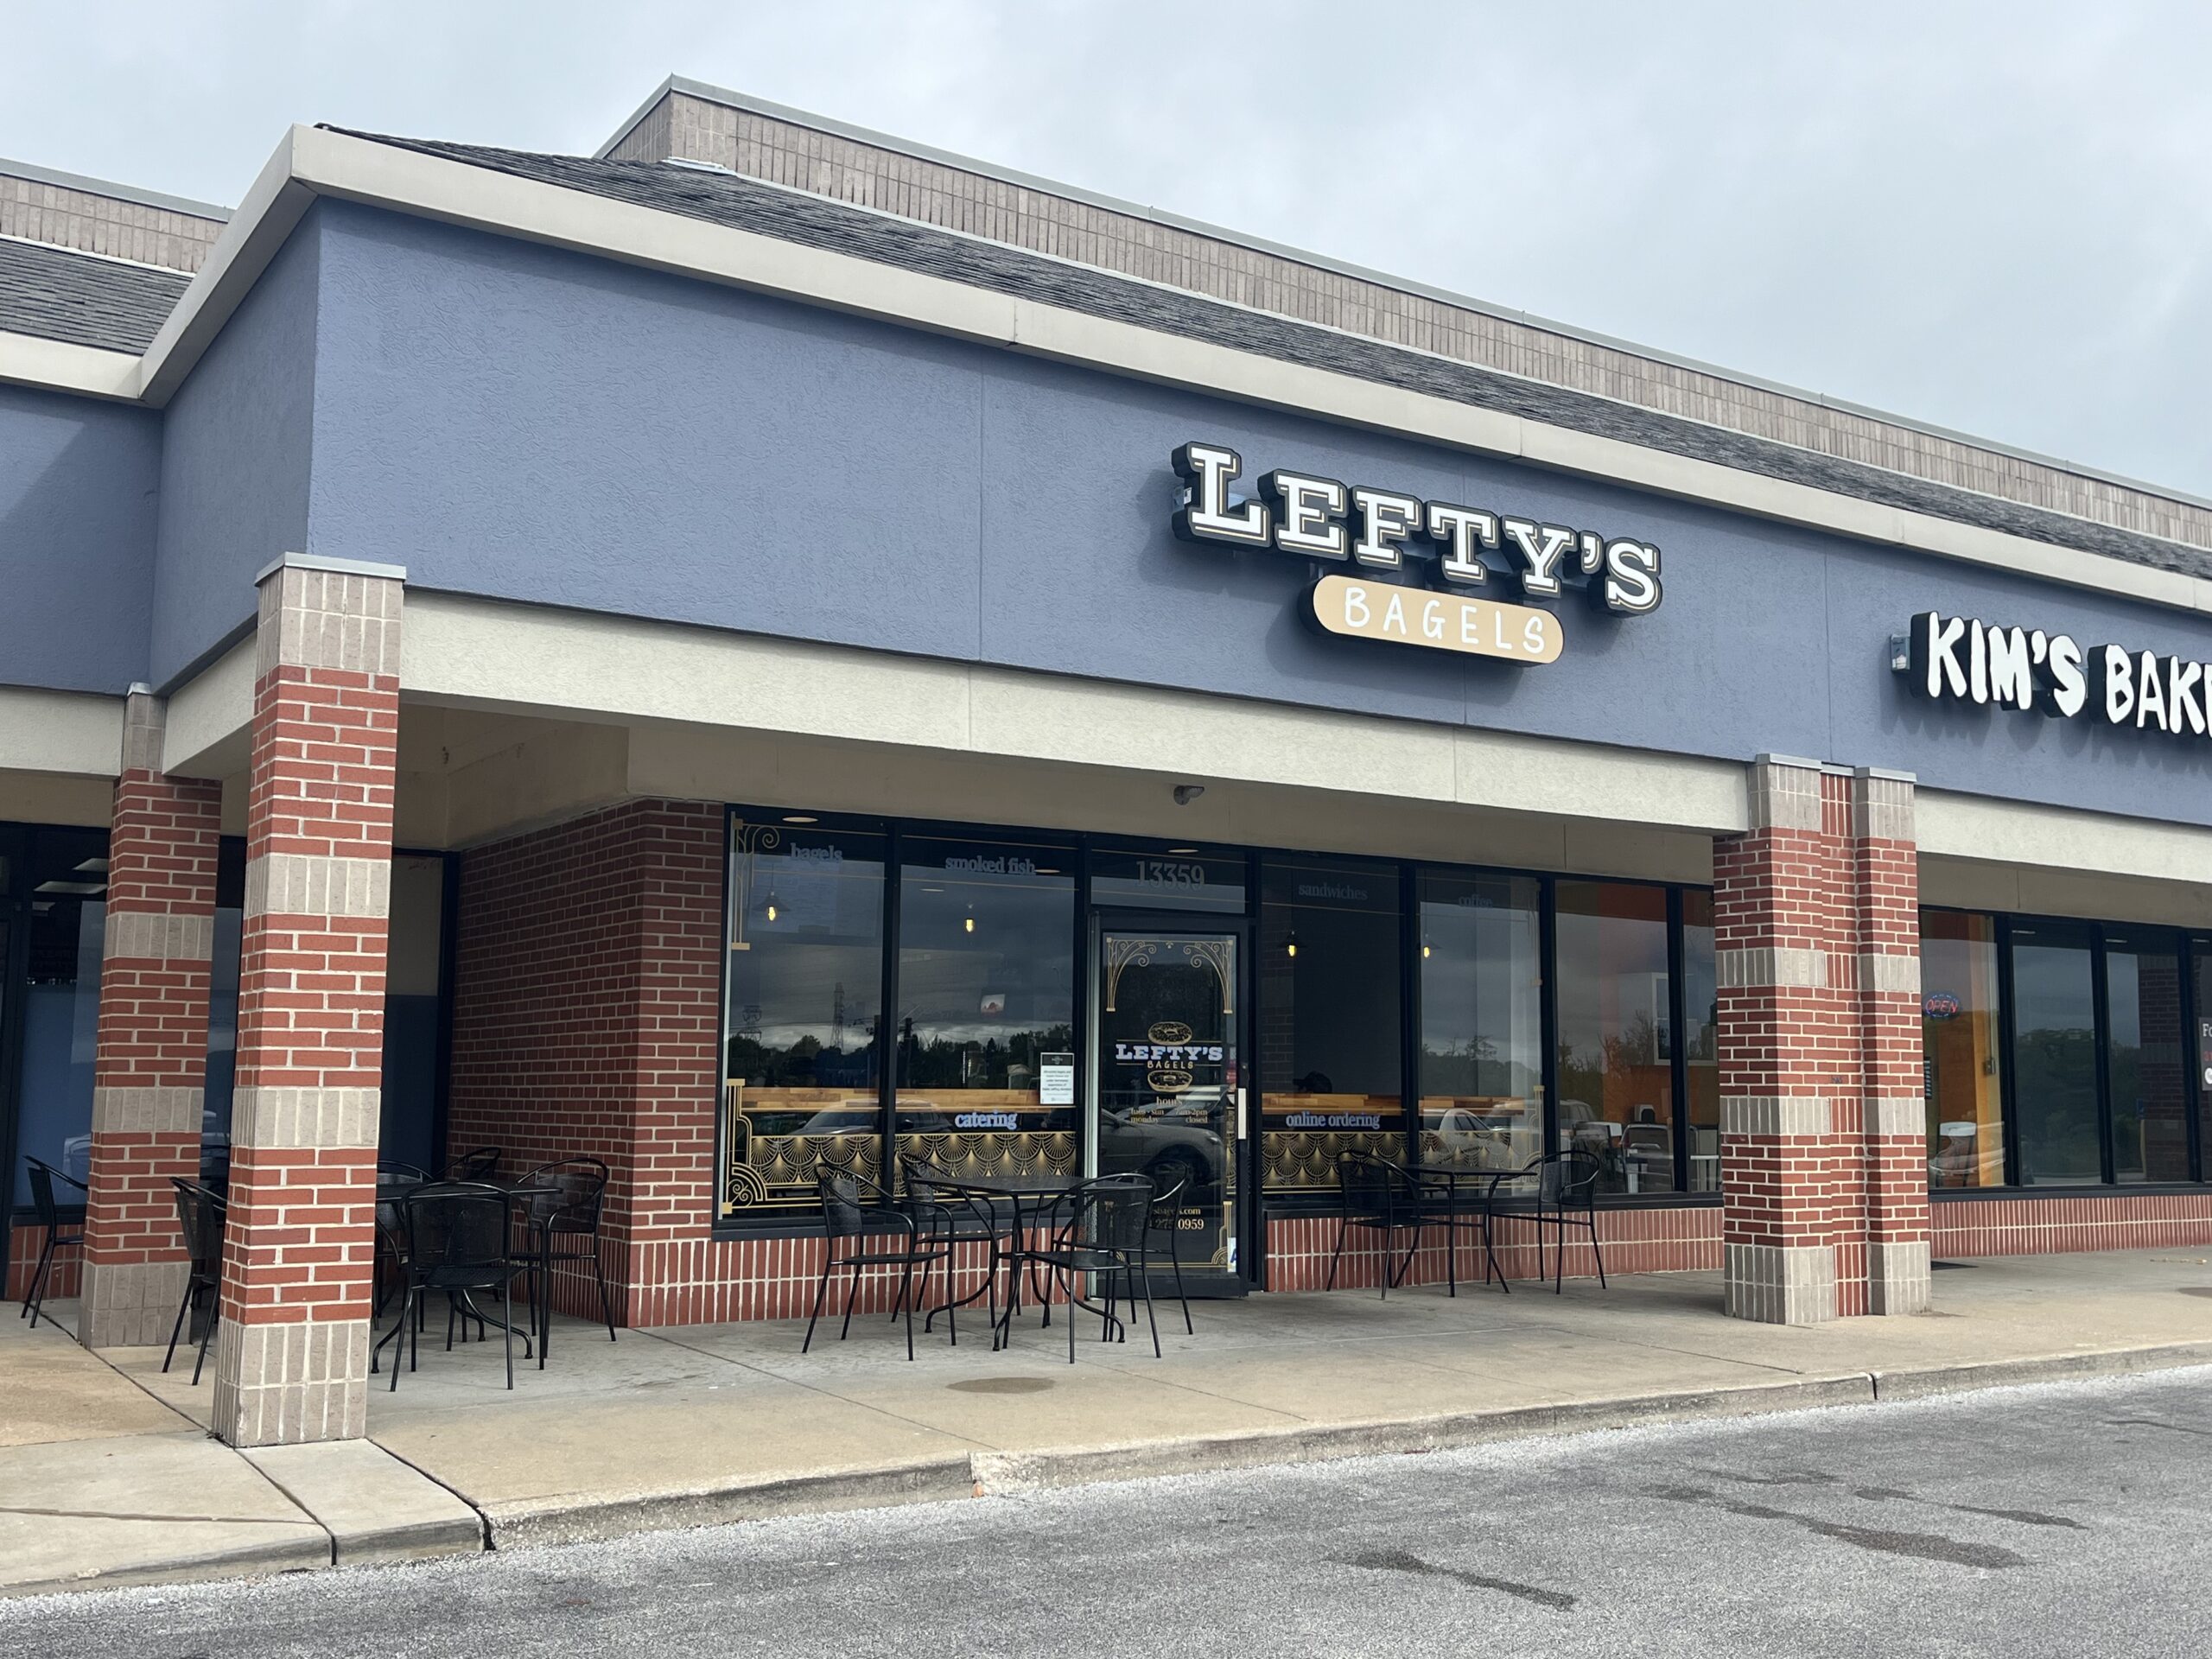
(149, 1068)
(1886, 871)
(293, 1352)
(1824, 1173)
(1787, 1053)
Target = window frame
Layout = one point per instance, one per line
(2186, 943)
(1085, 846)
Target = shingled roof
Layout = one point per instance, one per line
(83, 299)
(817, 222)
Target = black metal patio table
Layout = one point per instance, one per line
(1032, 1194)
(1452, 1177)
(394, 1189)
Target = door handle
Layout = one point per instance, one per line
(1240, 1114)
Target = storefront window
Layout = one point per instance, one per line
(1961, 1079)
(805, 987)
(1615, 1039)
(1701, 1039)
(66, 923)
(1481, 1033)
(2055, 1054)
(2148, 1088)
(1331, 1036)
(985, 1029)
(2200, 952)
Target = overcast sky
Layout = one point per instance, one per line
(1993, 217)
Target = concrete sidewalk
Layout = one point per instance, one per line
(108, 1483)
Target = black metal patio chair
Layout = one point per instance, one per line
(200, 1216)
(855, 1210)
(946, 1217)
(1379, 1196)
(1100, 1229)
(64, 1224)
(481, 1164)
(561, 1203)
(1565, 1183)
(1168, 1210)
(458, 1241)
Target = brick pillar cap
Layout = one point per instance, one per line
(340, 567)
(1885, 771)
(1786, 760)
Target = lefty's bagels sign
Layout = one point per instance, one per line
(1472, 558)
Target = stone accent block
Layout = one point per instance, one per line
(1890, 972)
(149, 936)
(286, 1384)
(304, 1118)
(1778, 1285)
(328, 619)
(307, 884)
(148, 1109)
(1772, 1115)
(132, 1304)
(1900, 1114)
(1784, 794)
(1898, 1278)
(1772, 965)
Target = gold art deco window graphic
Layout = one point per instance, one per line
(1122, 953)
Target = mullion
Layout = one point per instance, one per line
(887, 1055)
(1677, 1013)
(1547, 1003)
(2099, 994)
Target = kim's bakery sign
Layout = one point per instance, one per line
(1472, 557)
(1961, 659)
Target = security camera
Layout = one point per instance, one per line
(1186, 793)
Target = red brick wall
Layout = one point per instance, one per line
(24, 1243)
(153, 1013)
(2039, 1226)
(300, 1240)
(584, 1021)
(1669, 1240)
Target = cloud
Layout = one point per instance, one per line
(1990, 216)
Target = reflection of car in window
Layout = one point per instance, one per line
(1174, 1142)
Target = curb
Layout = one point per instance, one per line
(1004, 1474)
(254, 1561)
(1928, 1383)
(552, 1520)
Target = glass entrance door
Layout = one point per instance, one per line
(1168, 1101)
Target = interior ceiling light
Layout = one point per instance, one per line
(1290, 945)
(70, 886)
(799, 818)
(97, 866)
(771, 903)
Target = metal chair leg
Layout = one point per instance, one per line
(36, 1298)
(507, 1328)
(820, 1291)
(852, 1290)
(177, 1329)
(1597, 1252)
(214, 1319)
(1344, 1225)
(605, 1302)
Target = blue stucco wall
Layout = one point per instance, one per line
(77, 482)
(237, 441)
(521, 423)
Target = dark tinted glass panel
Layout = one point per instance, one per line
(987, 1007)
(2201, 958)
(66, 873)
(1962, 1072)
(2148, 1087)
(223, 1011)
(805, 955)
(1166, 877)
(1329, 1017)
(405, 1126)
(1616, 1068)
(1701, 1040)
(1482, 1033)
(2055, 1054)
